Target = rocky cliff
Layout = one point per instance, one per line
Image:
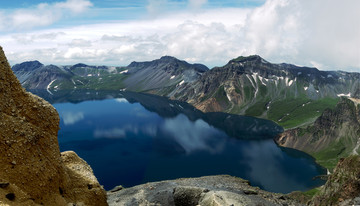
(335, 134)
(343, 186)
(34, 172)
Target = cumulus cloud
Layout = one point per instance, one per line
(301, 32)
(42, 15)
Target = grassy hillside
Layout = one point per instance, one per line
(290, 113)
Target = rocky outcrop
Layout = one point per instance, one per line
(33, 171)
(343, 186)
(220, 190)
(335, 134)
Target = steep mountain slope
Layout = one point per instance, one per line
(162, 73)
(335, 134)
(253, 86)
(343, 185)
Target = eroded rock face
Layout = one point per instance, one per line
(32, 168)
(343, 186)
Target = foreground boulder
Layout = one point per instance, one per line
(33, 171)
(220, 190)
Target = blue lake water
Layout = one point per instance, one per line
(126, 144)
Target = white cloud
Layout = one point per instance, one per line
(80, 43)
(42, 15)
(294, 31)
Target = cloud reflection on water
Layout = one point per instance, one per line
(265, 158)
(121, 132)
(71, 118)
(121, 100)
(193, 136)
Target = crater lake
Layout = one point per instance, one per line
(131, 138)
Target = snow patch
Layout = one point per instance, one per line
(80, 82)
(356, 147)
(252, 83)
(306, 88)
(228, 96)
(172, 77)
(264, 61)
(124, 72)
(344, 95)
(89, 75)
(182, 82)
(48, 86)
(299, 73)
(261, 80)
(329, 76)
(290, 82)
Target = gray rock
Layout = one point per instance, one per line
(220, 190)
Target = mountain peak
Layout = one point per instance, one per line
(248, 58)
(27, 66)
(168, 58)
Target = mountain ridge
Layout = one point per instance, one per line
(245, 85)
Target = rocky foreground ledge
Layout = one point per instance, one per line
(220, 190)
(32, 169)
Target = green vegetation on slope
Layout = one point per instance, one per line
(257, 109)
(330, 156)
(105, 82)
(290, 113)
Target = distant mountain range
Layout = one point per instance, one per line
(285, 93)
(306, 99)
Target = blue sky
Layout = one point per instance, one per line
(324, 34)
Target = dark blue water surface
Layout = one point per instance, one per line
(127, 145)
